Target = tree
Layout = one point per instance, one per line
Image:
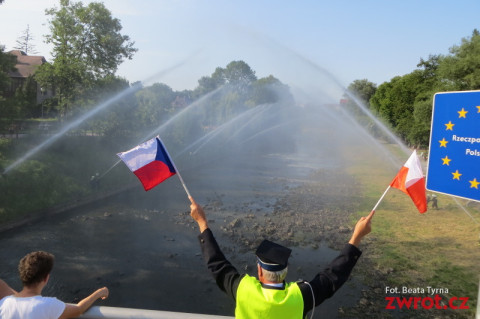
(155, 103)
(462, 66)
(7, 64)
(363, 89)
(208, 84)
(87, 46)
(89, 35)
(117, 119)
(394, 101)
(236, 73)
(25, 99)
(24, 42)
(269, 90)
(239, 73)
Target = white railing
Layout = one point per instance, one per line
(130, 313)
(478, 302)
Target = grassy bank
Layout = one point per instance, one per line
(439, 249)
(60, 174)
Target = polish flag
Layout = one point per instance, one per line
(150, 162)
(411, 181)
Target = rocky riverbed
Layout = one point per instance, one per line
(143, 246)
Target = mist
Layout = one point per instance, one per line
(237, 165)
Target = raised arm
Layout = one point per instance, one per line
(362, 228)
(328, 281)
(197, 213)
(225, 274)
(73, 311)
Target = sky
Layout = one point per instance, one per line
(179, 41)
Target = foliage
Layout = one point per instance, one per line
(43, 184)
(462, 66)
(7, 64)
(25, 99)
(236, 74)
(52, 178)
(8, 109)
(116, 119)
(363, 89)
(87, 46)
(155, 103)
(405, 102)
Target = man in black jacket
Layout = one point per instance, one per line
(270, 296)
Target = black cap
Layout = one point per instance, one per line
(272, 256)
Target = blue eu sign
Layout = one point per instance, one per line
(454, 156)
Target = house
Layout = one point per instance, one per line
(26, 66)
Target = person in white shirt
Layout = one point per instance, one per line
(29, 303)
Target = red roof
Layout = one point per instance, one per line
(26, 64)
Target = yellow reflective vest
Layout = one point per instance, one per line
(254, 301)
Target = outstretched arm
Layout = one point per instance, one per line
(72, 311)
(5, 289)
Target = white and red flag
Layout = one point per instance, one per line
(151, 163)
(411, 181)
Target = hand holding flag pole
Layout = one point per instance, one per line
(151, 163)
(411, 181)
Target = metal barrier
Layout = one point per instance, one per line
(130, 313)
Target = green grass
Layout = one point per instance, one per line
(440, 248)
(59, 175)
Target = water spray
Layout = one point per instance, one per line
(70, 126)
(204, 140)
(164, 125)
(92, 112)
(465, 210)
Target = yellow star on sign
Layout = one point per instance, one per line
(443, 143)
(446, 160)
(449, 126)
(462, 113)
(478, 107)
(456, 175)
(474, 183)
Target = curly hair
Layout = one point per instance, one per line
(35, 267)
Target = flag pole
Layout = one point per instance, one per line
(176, 170)
(384, 193)
(181, 181)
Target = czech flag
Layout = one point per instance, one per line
(411, 181)
(149, 162)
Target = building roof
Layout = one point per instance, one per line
(26, 64)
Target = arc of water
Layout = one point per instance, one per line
(465, 210)
(70, 126)
(89, 114)
(173, 118)
(268, 129)
(327, 73)
(207, 138)
(165, 125)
